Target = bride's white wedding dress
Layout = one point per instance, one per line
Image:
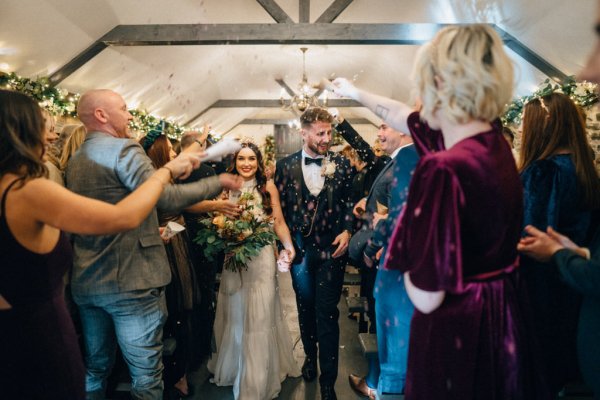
(254, 346)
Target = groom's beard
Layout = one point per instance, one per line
(321, 150)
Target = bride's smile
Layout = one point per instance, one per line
(246, 163)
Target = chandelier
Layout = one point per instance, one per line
(306, 95)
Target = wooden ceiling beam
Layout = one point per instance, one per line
(275, 11)
(262, 103)
(250, 34)
(333, 11)
(304, 11)
(283, 121)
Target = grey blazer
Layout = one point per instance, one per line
(108, 168)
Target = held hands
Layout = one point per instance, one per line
(231, 181)
(285, 258)
(341, 241)
(541, 246)
(342, 87)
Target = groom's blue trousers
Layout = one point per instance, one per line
(318, 281)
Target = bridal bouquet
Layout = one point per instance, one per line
(241, 238)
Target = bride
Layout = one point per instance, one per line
(254, 348)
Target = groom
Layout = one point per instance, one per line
(315, 188)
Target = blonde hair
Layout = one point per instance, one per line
(72, 143)
(465, 73)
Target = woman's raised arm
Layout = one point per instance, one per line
(394, 113)
(58, 207)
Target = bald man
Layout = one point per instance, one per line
(118, 280)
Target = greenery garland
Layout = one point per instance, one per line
(269, 149)
(60, 102)
(582, 93)
(57, 101)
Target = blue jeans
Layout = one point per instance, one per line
(134, 320)
(317, 281)
(394, 311)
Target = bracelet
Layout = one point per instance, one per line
(199, 142)
(170, 171)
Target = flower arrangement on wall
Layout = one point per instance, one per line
(582, 93)
(269, 149)
(62, 103)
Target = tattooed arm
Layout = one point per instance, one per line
(393, 112)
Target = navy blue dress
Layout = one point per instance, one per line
(39, 354)
(552, 197)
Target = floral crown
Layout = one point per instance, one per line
(153, 134)
(245, 141)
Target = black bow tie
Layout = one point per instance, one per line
(308, 161)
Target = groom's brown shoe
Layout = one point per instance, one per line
(309, 369)
(359, 385)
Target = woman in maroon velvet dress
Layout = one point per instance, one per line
(456, 241)
(39, 354)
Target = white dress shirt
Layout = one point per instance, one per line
(312, 175)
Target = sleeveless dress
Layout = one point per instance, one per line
(254, 347)
(39, 355)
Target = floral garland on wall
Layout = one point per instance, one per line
(269, 149)
(582, 93)
(62, 103)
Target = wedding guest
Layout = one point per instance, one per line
(57, 145)
(181, 294)
(376, 205)
(360, 173)
(393, 308)
(375, 188)
(377, 149)
(38, 345)
(71, 144)
(456, 241)
(314, 185)
(51, 162)
(118, 280)
(581, 272)
(561, 188)
(203, 314)
(509, 136)
(176, 145)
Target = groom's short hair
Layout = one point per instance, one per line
(315, 114)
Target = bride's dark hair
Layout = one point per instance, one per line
(261, 177)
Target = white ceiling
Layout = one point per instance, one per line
(38, 37)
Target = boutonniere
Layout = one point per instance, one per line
(328, 167)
